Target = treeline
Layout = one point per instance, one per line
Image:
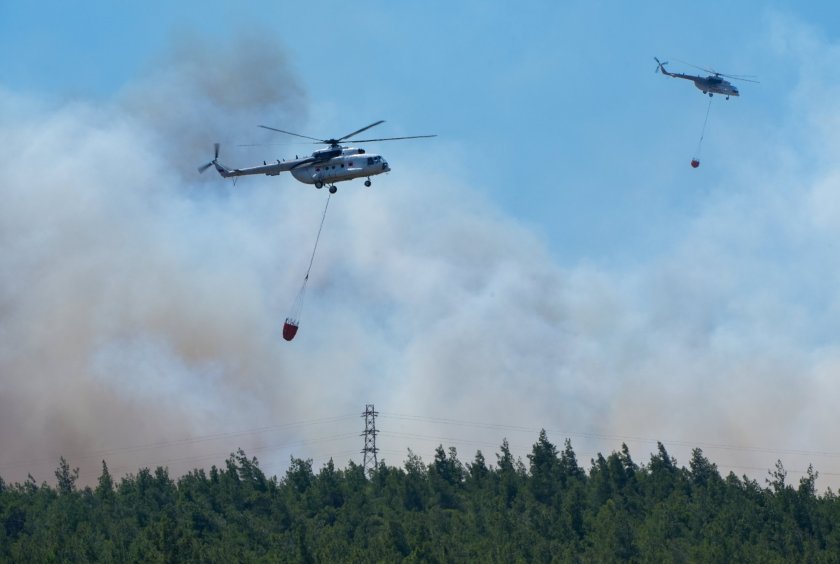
(547, 508)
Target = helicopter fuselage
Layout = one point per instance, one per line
(352, 163)
(714, 85)
(335, 163)
(326, 166)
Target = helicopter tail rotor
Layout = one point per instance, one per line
(215, 160)
(659, 66)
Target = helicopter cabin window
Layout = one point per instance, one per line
(350, 163)
(370, 160)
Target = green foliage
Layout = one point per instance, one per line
(65, 478)
(551, 510)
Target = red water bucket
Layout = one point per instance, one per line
(290, 329)
(695, 163)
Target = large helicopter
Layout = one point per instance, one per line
(324, 167)
(712, 84)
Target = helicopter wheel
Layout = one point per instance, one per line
(367, 183)
(333, 189)
(710, 94)
(319, 185)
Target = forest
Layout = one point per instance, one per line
(546, 508)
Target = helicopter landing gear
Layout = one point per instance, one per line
(367, 182)
(710, 94)
(333, 189)
(727, 97)
(319, 184)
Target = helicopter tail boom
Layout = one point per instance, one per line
(223, 171)
(660, 67)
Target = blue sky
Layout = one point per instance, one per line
(550, 260)
(554, 105)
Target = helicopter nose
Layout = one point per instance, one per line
(385, 167)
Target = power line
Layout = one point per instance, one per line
(271, 447)
(606, 436)
(112, 451)
(371, 449)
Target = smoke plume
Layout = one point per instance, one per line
(141, 304)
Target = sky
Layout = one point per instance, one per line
(550, 260)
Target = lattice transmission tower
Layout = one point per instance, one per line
(370, 450)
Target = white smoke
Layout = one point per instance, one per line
(141, 304)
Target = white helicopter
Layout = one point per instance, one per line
(336, 163)
(712, 84)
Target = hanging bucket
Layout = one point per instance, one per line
(290, 329)
(695, 163)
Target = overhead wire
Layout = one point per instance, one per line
(275, 446)
(116, 451)
(590, 435)
(402, 434)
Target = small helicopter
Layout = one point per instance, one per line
(712, 84)
(336, 163)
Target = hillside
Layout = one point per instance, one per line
(547, 507)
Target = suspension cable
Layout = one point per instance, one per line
(317, 238)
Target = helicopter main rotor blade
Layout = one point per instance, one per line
(289, 144)
(735, 76)
(698, 68)
(337, 142)
(391, 138)
(360, 130)
(744, 77)
(290, 133)
(739, 77)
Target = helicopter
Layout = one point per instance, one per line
(712, 84)
(325, 167)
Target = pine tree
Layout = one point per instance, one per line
(65, 478)
(545, 472)
(105, 486)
